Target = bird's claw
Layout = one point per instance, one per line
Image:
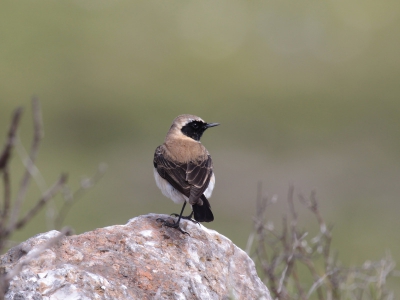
(172, 225)
(186, 218)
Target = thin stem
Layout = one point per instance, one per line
(37, 136)
(5, 155)
(49, 194)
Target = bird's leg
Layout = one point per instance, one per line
(189, 217)
(175, 224)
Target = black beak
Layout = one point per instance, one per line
(208, 125)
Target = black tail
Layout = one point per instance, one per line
(203, 213)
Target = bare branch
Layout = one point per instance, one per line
(49, 194)
(6, 202)
(296, 279)
(37, 136)
(5, 155)
(10, 211)
(74, 197)
(291, 204)
(35, 172)
(280, 253)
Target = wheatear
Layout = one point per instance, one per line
(183, 169)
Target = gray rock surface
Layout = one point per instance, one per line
(139, 260)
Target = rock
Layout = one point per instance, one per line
(139, 260)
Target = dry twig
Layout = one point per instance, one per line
(49, 194)
(10, 212)
(37, 136)
(280, 255)
(5, 155)
(10, 219)
(70, 198)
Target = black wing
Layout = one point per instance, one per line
(172, 172)
(191, 179)
(198, 174)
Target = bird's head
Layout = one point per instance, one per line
(190, 126)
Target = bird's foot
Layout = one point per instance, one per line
(172, 225)
(189, 217)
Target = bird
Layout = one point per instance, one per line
(183, 169)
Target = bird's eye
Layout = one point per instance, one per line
(195, 125)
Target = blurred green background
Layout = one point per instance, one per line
(307, 92)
